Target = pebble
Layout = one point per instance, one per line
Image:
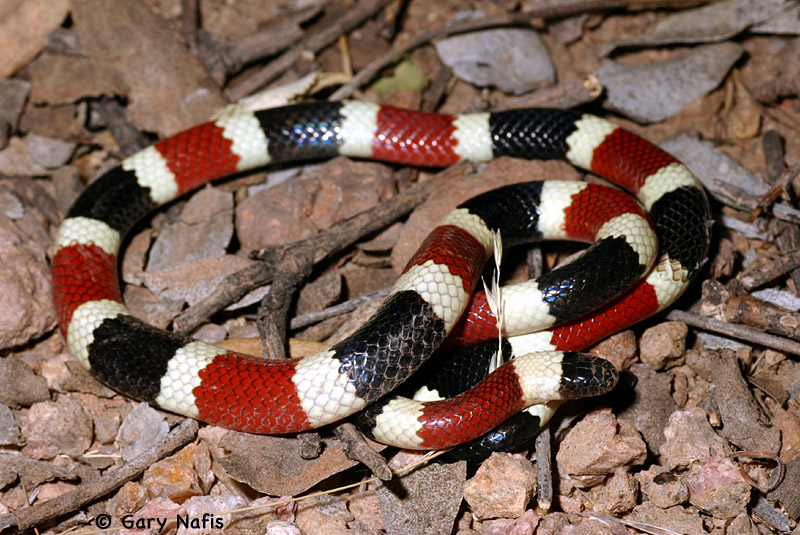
(690, 439)
(203, 230)
(9, 428)
(128, 499)
(597, 446)
(408, 506)
(663, 346)
(141, 430)
(514, 60)
(158, 508)
(19, 385)
(206, 514)
(718, 488)
(300, 208)
(364, 507)
(173, 477)
(63, 427)
(502, 487)
(324, 515)
(619, 349)
(279, 527)
(524, 525)
(677, 519)
(659, 90)
(26, 306)
(617, 495)
(662, 487)
(49, 152)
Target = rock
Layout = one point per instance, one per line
(552, 524)
(128, 499)
(591, 526)
(514, 60)
(9, 428)
(691, 439)
(408, 505)
(324, 515)
(662, 487)
(206, 516)
(718, 488)
(619, 349)
(162, 509)
(651, 405)
(617, 495)
(662, 346)
(140, 430)
(56, 428)
(107, 426)
(26, 305)
(597, 446)
(524, 525)
(16, 160)
(19, 385)
(203, 230)
(173, 477)
(502, 487)
(677, 519)
(279, 468)
(656, 91)
(50, 153)
(31, 473)
(279, 527)
(365, 508)
(13, 94)
(742, 525)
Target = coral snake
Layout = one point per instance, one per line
(548, 319)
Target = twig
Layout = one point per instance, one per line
(352, 19)
(294, 260)
(565, 95)
(357, 449)
(324, 244)
(731, 303)
(737, 331)
(336, 310)
(391, 57)
(544, 469)
(127, 137)
(775, 269)
(70, 501)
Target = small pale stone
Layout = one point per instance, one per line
(174, 477)
(616, 495)
(143, 427)
(502, 487)
(598, 445)
(662, 487)
(718, 488)
(663, 345)
(129, 499)
(690, 439)
(56, 428)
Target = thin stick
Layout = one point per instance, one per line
(737, 331)
(315, 42)
(74, 499)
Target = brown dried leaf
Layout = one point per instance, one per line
(25, 25)
(167, 87)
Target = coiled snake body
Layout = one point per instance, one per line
(266, 396)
